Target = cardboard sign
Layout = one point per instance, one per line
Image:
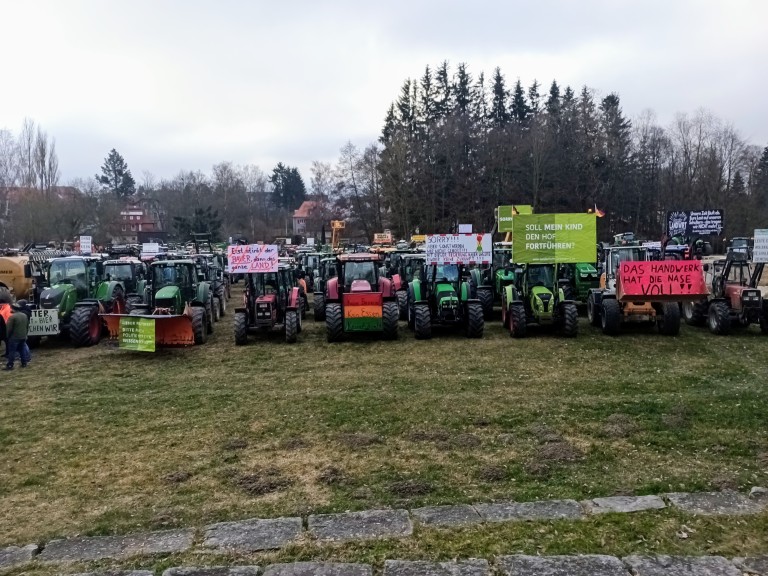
(150, 248)
(465, 228)
(459, 248)
(85, 245)
(418, 238)
(554, 238)
(382, 238)
(661, 281)
(252, 258)
(44, 323)
(137, 334)
(362, 312)
(760, 249)
(695, 223)
(310, 241)
(505, 214)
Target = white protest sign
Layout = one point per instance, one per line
(310, 241)
(465, 228)
(85, 244)
(458, 248)
(150, 248)
(44, 323)
(760, 250)
(252, 258)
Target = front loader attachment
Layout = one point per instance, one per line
(169, 330)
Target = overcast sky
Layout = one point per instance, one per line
(184, 84)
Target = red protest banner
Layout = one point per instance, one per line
(661, 281)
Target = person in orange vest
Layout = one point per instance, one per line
(16, 329)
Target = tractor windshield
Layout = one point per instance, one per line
(119, 272)
(541, 276)
(413, 269)
(266, 283)
(72, 271)
(739, 273)
(178, 275)
(501, 258)
(619, 255)
(359, 271)
(447, 273)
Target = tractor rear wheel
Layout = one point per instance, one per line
(390, 314)
(695, 313)
(334, 322)
(131, 302)
(719, 318)
(216, 309)
(411, 309)
(241, 328)
(570, 320)
(209, 316)
(291, 326)
(402, 304)
(593, 311)
(85, 326)
(475, 321)
(517, 320)
(222, 302)
(611, 317)
(485, 295)
(422, 321)
(668, 321)
(319, 305)
(199, 325)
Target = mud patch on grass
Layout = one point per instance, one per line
(260, 482)
(332, 476)
(409, 488)
(619, 426)
(293, 443)
(235, 444)
(360, 440)
(465, 441)
(492, 473)
(544, 433)
(434, 435)
(177, 477)
(725, 482)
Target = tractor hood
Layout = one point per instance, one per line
(53, 297)
(446, 295)
(360, 286)
(167, 293)
(586, 271)
(266, 299)
(542, 299)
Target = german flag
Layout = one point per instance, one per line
(599, 213)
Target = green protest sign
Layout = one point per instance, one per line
(505, 214)
(554, 238)
(137, 334)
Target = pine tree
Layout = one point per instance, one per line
(520, 111)
(288, 190)
(443, 92)
(499, 113)
(388, 131)
(115, 176)
(462, 89)
(552, 105)
(534, 98)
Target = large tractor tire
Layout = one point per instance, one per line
(668, 321)
(216, 309)
(610, 317)
(422, 321)
(411, 309)
(475, 320)
(593, 311)
(5, 295)
(132, 302)
(222, 295)
(209, 316)
(402, 304)
(517, 320)
(390, 314)
(85, 326)
(199, 325)
(719, 318)
(570, 320)
(303, 305)
(334, 322)
(292, 319)
(319, 306)
(695, 313)
(764, 321)
(241, 328)
(485, 295)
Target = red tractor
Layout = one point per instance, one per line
(359, 299)
(271, 299)
(735, 298)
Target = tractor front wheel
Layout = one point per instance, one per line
(241, 328)
(669, 320)
(199, 325)
(422, 322)
(570, 320)
(475, 321)
(85, 326)
(222, 303)
(411, 309)
(517, 320)
(719, 318)
(334, 322)
(390, 314)
(611, 317)
(131, 302)
(593, 311)
(695, 313)
(402, 304)
(209, 316)
(291, 326)
(485, 295)
(319, 306)
(216, 309)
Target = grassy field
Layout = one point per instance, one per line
(104, 441)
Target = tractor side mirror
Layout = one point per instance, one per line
(27, 271)
(705, 267)
(518, 271)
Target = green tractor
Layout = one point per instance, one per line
(77, 289)
(503, 268)
(131, 273)
(179, 303)
(578, 280)
(537, 298)
(444, 296)
(403, 268)
(325, 271)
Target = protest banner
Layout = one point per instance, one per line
(85, 245)
(249, 258)
(137, 334)
(362, 312)
(695, 223)
(554, 238)
(150, 249)
(506, 213)
(382, 237)
(418, 238)
(465, 228)
(44, 323)
(661, 281)
(459, 248)
(760, 249)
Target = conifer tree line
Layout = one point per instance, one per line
(455, 146)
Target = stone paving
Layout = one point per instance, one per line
(254, 535)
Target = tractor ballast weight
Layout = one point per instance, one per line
(359, 299)
(178, 303)
(271, 299)
(444, 295)
(537, 297)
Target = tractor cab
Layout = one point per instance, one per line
(360, 276)
(325, 271)
(130, 272)
(503, 267)
(612, 257)
(174, 282)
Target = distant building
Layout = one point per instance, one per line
(140, 222)
(307, 220)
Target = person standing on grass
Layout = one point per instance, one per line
(17, 328)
